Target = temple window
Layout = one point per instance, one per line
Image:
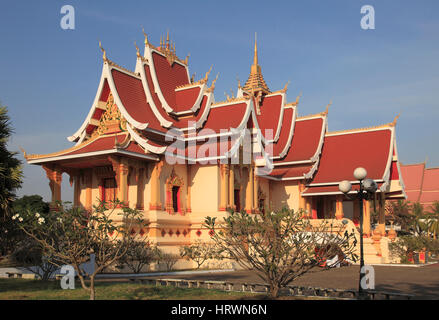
(175, 198)
(173, 194)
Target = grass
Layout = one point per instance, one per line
(23, 289)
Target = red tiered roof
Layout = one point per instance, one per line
(422, 184)
(343, 153)
(271, 114)
(306, 139)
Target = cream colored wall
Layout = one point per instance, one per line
(205, 188)
(284, 193)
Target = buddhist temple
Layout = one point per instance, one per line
(421, 184)
(157, 140)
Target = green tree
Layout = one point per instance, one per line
(199, 252)
(280, 247)
(10, 167)
(139, 255)
(433, 216)
(32, 203)
(70, 235)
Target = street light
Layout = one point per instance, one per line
(367, 188)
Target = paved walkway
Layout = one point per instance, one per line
(423, 282)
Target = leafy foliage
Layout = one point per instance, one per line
(167, 259)
(199, 252)
(404, 246)
(139, 254)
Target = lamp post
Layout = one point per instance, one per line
(367, 188)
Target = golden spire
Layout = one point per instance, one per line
(206, 77)
(327, 108)
(137, 49)
(395, 120)
(146, 37)
(255, 81)
(255, 56)
(104, 55)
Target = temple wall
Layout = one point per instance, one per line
(284, 193)
(205, 189)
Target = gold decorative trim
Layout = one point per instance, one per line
(231, 100)
(111, 119)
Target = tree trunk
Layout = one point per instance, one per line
(274, 290)
(92, 287)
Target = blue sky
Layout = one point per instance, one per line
(49, 76)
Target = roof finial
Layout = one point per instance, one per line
(146, 37)
(104, 55)
(395, 120)
(186, 60)
(167, 39)
(207, 73)
(327, 107)
(239, 82)
(137, 49)
(286, 87)
(24, 153)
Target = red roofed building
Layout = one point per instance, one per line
(157, 140)
(421, 184)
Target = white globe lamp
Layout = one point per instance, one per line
(345, 186)
(360, 173)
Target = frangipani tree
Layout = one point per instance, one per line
(70, 235)
(280, 246)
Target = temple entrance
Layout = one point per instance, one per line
(109, 193)
(237, 197)
(175, 196)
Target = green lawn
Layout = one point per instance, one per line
(23, 289)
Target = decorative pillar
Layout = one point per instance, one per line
(232, 187)
(382, 214)
(140, 173)
(366, 218)
(249, 191)
(155, 203)
(88, 179)
(76, 191)
(54, 174)
(255, 194)
(302, 200)
(123, 179)
(339, 207)
(188, 188)
(224, 187)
